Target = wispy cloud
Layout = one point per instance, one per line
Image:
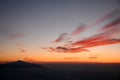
(108, 35)
(29, 59)
(93, 57)
(21, 47)
(112, 24)
(71, 50)
(108, 16)
(105, 38)
(60, 38)
(80, 29)
(16, 36)
(71, 57)
(22, 50)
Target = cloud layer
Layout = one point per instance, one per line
(108, 35)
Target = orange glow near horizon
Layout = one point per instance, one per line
(43, 56)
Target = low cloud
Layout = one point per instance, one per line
(93, 57)
(71, 58)
(22, 50)
(29, 59)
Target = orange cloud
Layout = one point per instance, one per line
(71, 58)
(93, 57)
(29, 59)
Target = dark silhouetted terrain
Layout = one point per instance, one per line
(21, 70)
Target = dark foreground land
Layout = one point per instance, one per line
(51, 71)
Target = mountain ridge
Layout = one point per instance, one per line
(20, 63)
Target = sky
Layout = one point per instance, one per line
(60, 30)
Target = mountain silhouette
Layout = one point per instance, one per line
(21, 63)
(21, 70)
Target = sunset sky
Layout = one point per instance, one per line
(50, 30)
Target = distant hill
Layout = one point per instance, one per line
(20, 63)
(20, 70)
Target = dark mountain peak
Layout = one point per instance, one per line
(20, 63)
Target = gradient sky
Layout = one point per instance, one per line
(26, 26)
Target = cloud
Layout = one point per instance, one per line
(80, 29)
(15, 36)
(92, 43)
(52, 49)
(108, 35)
(71, 58)
(22, 50)
(61, 37)
(76, 50)
(93, 57)
(111, 25)
(29, 59)
(21, 47)
(109, 15)
(69, 50)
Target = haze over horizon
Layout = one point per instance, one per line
(60, 30)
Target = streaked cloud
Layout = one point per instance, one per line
(16, 36)
(107, 35)
(71, 57)
(61, 38)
